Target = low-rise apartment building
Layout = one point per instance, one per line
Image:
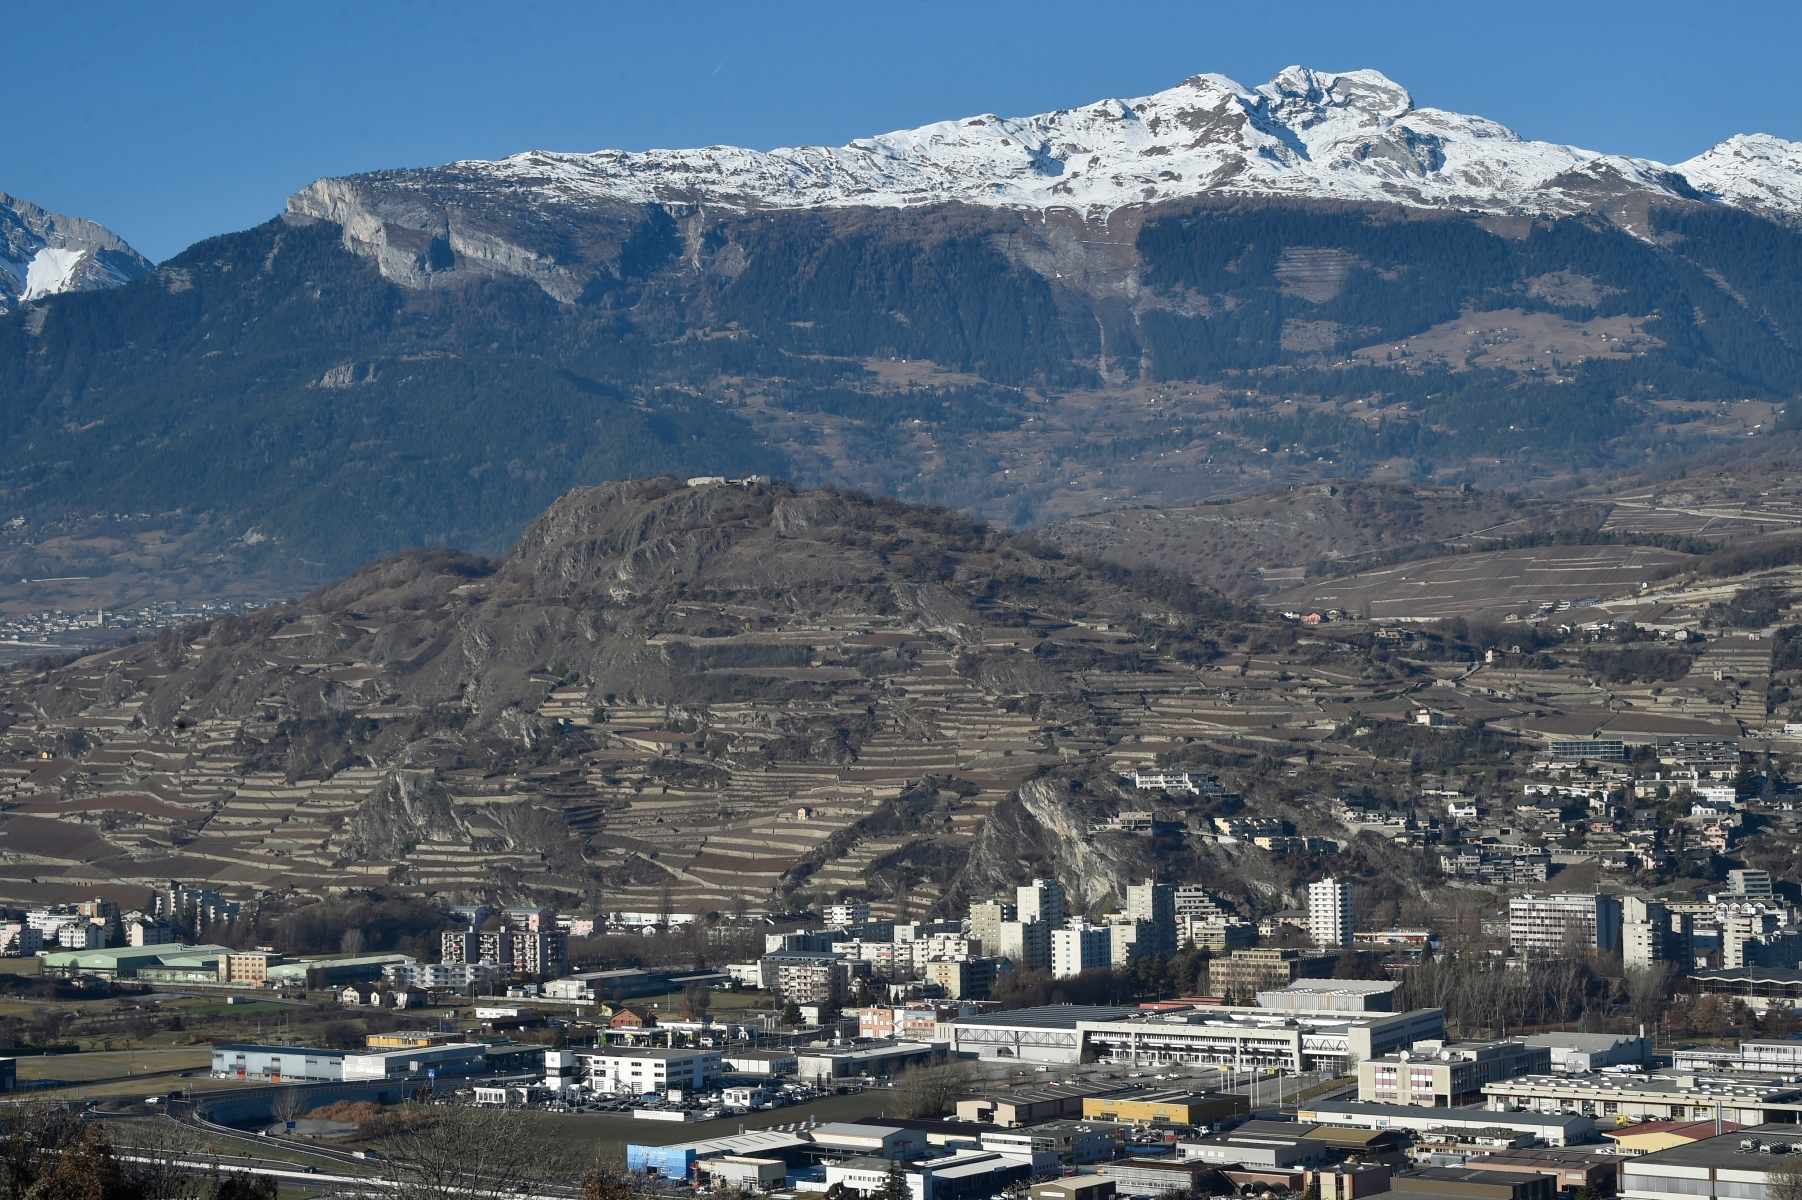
(921, 1022)
(1245, 973)
(964, 978)
(1446, 1074)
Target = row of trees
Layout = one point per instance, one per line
(1483, 996)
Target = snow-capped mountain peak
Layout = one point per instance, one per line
(1351, 135)
(1348, 137)
(1750, 170)
(43, 253)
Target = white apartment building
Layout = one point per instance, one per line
(1041, 900)
(1080, 948)
(638, 1070)
(846, 915)
(433, 976)
(1027, 943)
(1652, 933)
(1543, 924)
(1155, 904)
(52, 922)
(81, 937)
(1330, 917)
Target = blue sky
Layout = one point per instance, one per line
(172, 122)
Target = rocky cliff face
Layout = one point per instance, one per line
(575, 223)
(650, 590)
(426, 229)
(44, 253)
(409, 808)
(1043, 830)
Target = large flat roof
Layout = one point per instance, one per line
(884, 1050)
(763, 1055)
(1718, 1152)
(742, 1143)
(1461, 1116)
(135, 956)
(1750, 974)
(1580, 1041)
(1043, 1095)
(644, 1052)
(1695, 1086)
(857, 1129)
(1051, 1016)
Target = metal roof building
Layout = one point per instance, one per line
(278, 1064)
(1654, 1097)
(1734, 1165)
(1049, 1033)
(1554, 1129)
(677, 1161)
(1757, 986)
(1243, 1037)
(124, 962)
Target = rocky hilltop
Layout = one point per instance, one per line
(711, 687)
(676, 695)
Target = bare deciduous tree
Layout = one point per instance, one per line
(460, 1152)
(152, 1155)
(289, 1104)
(932, 1091)
(1784, 1180)
(1649, 989)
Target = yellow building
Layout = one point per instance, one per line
(252, 968)
(1649, 1137)
(404, 1039)
(1165, 1108)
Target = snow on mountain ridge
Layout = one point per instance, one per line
(1353, 135)
(43, 253)
(1749, 170)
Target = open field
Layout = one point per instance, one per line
(597, 1134)
(101, 1065)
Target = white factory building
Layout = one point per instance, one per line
(638, 1070)
(1244, 1037)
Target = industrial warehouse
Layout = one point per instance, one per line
(1217, 1034)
